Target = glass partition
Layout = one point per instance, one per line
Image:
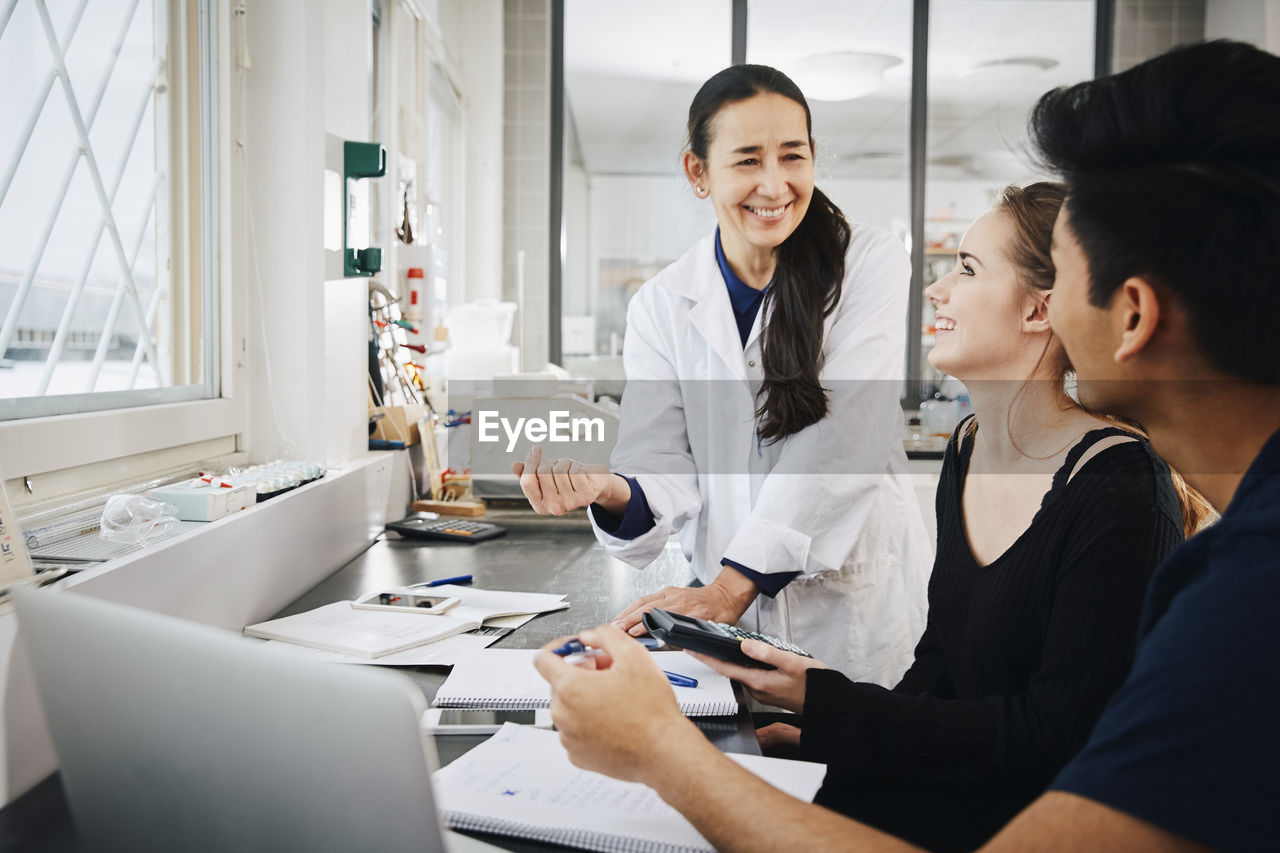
(629, 78)
(630, 72)
(989, 61)
(852, 60)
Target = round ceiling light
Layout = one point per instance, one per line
(841, 76)
(1012, 69)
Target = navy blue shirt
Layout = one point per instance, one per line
(1191, 742)
(744, 298)
(637, 518)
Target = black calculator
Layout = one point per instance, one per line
(715, 639)
(451, 529)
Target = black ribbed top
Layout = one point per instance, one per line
(1017, 659)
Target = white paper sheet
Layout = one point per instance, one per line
(439, 653)
(520, 782)
(373, 634)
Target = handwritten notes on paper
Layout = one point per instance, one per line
(520, 782)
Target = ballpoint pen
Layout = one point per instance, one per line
(575, 649)
(680, 680)
(443, 581)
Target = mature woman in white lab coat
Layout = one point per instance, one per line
(760, 420)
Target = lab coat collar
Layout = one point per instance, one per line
(698, 278)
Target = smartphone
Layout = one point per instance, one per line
(406, 602)
(471, 721)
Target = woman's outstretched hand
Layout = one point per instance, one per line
(557, 486)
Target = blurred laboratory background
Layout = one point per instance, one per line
(159, 217)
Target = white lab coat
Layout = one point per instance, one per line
(832, 501)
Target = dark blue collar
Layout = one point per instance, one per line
(1261, 483)
(744, 298)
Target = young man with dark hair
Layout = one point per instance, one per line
(1168, 273)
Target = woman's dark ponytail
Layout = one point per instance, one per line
(809, 273)
(809, 276)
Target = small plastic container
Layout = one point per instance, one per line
(482, 325)
(414, 295)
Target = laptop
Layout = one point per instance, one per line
(177, 736)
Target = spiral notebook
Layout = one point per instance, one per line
(505, 679)
(520, 783)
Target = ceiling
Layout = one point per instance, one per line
(632, 69)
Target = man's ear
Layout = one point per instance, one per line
(1136, 311)
(1036, 317)
(694, 170)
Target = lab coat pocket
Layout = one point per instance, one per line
(854, 619)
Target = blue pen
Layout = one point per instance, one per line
(576, 648)
(571, 647)
(443, 581)
(680, 680)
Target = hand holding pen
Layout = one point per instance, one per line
(574, 651)
(620, 718)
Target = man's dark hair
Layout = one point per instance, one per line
(1173, 175)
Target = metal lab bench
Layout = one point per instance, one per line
(537, 555)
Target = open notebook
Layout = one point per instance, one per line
(339, 627)
(505, 679)
(520, 783)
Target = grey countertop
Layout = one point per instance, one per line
(538, 554)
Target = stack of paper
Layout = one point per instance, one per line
(505, 679)
(520, 783)
(372, 635)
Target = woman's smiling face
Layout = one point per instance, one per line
(759, 172)
(980, 306)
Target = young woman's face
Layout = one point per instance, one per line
(759, 171)
(980, 306)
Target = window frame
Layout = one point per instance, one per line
(137, 438)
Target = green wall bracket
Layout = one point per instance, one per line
(359, 160)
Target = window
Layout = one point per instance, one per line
(111, 304)
(107, 288)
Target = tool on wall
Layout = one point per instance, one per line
(394, 377)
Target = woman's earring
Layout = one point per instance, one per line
(702, 191)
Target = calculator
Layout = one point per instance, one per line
(715, 639)
(451, 529)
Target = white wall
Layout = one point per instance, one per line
(480, 58)
(577, 295)
(651, 219)
(645, 217)
(656, 217)
(305, 336)
(1254, 21)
